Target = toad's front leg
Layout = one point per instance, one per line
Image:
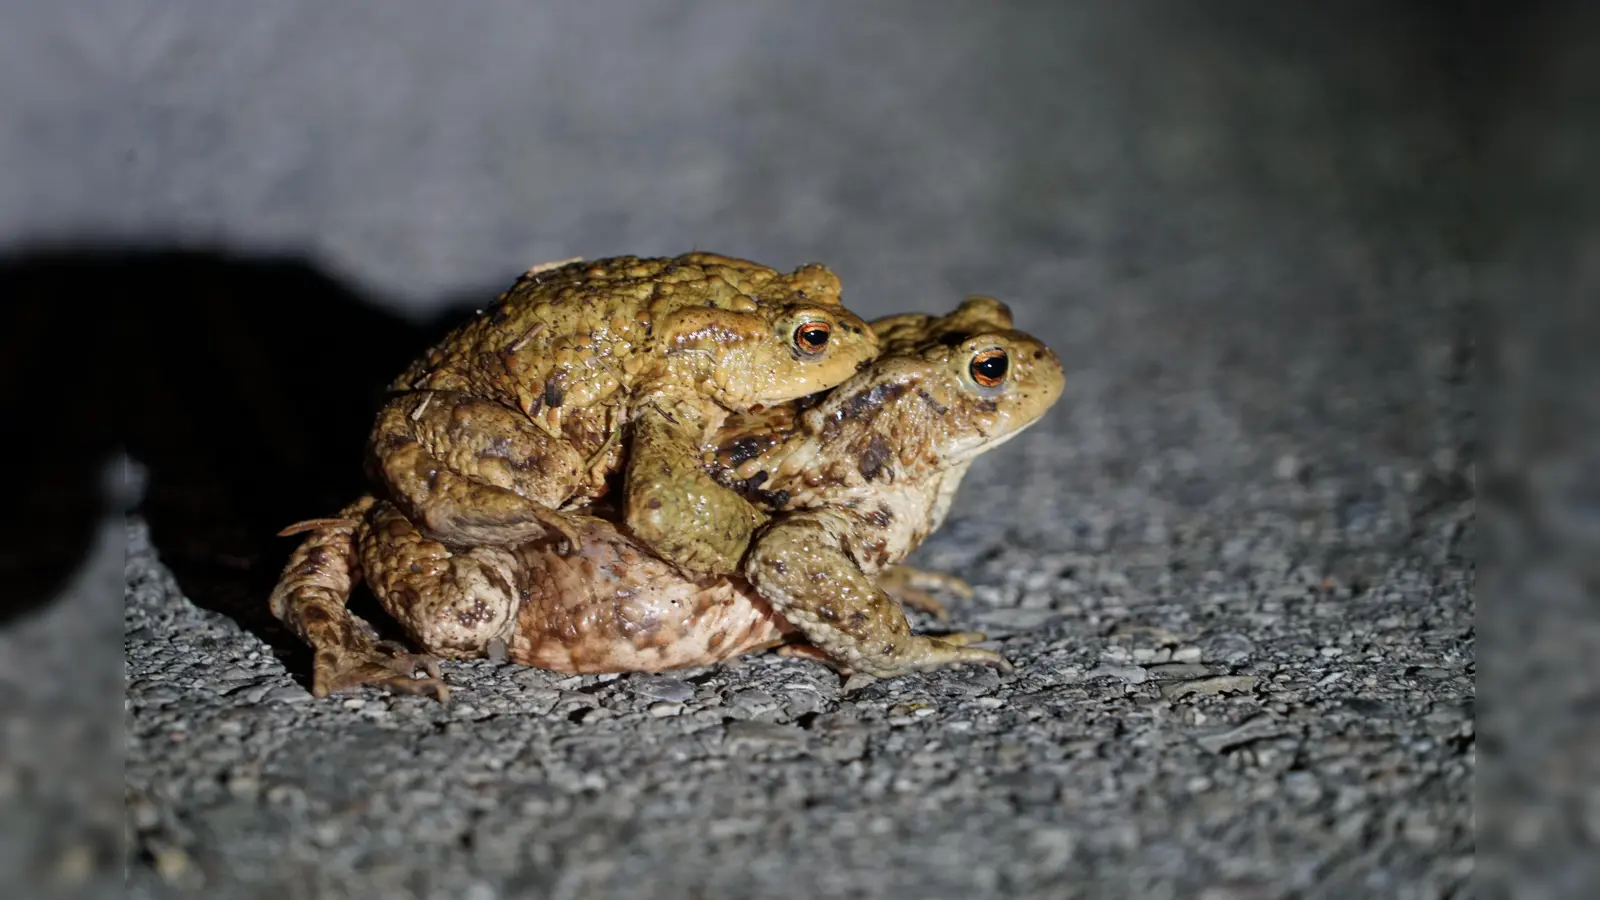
(798, 564)
(674, 506)
(310, 600)
(474, 472)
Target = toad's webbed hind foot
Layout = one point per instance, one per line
(385, 664)
(310, 600)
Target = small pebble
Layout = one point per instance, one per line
(663, 709)
(752, 701)
(763, 733)
(1287, 467)
(288, 694)
(659, 688)
(1126, 674)
(74, 865)
(856, 682)
(1219, 685)
(1258, 728)
(172, 863)
(1170, 671)
(496, 651)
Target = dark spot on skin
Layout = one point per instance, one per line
(313, 614)
(655, 503)
(826, 614)
(858, 619)
(880, 552)
(873, 459)
(859, 404)
(881, 517)
(392, 442)
(1038, 354)
(500, 446)
(888, 649)
(744, 449)
(524, 463)
(715, 641)
(988, 406)
(810, 400)
(553, 395)
(938, 408)
(778, 566)
(476, 614)
(952, 338)
(775, 499)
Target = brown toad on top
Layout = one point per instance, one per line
(519, 415)
(855, 483)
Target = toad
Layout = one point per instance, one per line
(527, 410)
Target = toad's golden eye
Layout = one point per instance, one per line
(812, 337)
(989, 367)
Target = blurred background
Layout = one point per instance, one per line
(1254, 232)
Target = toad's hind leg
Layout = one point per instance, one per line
(310, 600)
(452, 601)
(475, 472)
(800, 567)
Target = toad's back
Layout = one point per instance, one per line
(583, 333)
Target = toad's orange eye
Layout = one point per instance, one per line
(812, 336)
(989, 367)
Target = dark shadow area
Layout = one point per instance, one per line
(244, 386)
